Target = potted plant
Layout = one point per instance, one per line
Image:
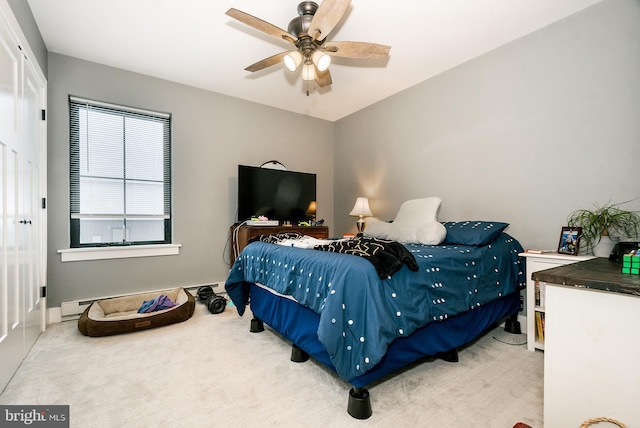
(608, 221)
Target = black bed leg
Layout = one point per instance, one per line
(450, 356)
(298, 355)
(512, 325)
(256, 326)
(359, 403)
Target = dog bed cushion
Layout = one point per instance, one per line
(120, 314)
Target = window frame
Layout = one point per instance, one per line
(75, 217)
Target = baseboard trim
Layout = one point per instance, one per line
(54, 315)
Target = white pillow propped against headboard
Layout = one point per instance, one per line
(416, 223)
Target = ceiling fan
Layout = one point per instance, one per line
(308, 32)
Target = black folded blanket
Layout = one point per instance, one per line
(386, 257)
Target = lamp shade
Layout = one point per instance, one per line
(308, 71)
(311, 211)
(292, 60)
(361, 208)
(321, 60)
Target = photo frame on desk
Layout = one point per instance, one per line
(570, 240)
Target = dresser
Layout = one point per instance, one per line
(239, 236)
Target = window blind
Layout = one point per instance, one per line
(120, 166)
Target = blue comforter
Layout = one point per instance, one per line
(361, 314)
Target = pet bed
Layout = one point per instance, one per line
(119, 315)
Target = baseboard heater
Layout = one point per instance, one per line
(71, 310)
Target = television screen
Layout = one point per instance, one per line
(276, 194)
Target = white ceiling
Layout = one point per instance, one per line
(193, 42)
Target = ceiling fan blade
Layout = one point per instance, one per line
(323, 78)
(267, 62)
(261, 25)
(357, 50)
(327, 17)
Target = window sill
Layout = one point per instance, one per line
(104, 253)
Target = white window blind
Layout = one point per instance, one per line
(120, 175)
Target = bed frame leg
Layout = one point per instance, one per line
(256, 326)
(359, 405)
(450, 356)
(512, 325)
(298, 355)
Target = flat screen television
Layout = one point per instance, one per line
(277, 194)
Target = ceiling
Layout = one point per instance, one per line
(193, 42)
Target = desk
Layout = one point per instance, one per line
(592, 345)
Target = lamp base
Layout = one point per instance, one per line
(360, 224)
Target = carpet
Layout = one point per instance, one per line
(209, 371)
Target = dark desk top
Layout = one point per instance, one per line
(596, 274)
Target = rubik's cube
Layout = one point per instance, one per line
(631, 263)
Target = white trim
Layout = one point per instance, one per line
(120, 216)
(79, 100)
(103, 253)
(54, 315)
(14, 27)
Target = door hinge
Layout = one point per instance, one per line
(44, 114)
(43, 291)
(44, 203)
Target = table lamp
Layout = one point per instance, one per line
(311, 212)
(361, 210)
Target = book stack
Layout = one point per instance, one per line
(539, 289)
(540, 325)
(539, 296)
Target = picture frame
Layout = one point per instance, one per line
(570, 240)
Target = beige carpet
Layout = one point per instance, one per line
(211, 372)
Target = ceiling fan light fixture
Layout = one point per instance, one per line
(308, 33)
(321, 60)
(308, 71)
(292, 60)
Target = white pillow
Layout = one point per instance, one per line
(379, 229)
(417, 222)
(416, 212)
(432, 233)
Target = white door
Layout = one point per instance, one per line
(22, 256)
(11, 330)
(30, 222)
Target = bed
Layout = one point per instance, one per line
(342, 311)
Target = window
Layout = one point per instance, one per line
(120, 175)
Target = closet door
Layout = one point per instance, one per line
(31, 219)
(11, 326)
(22, 187)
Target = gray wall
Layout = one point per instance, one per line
(212, 134)
(525, 134)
